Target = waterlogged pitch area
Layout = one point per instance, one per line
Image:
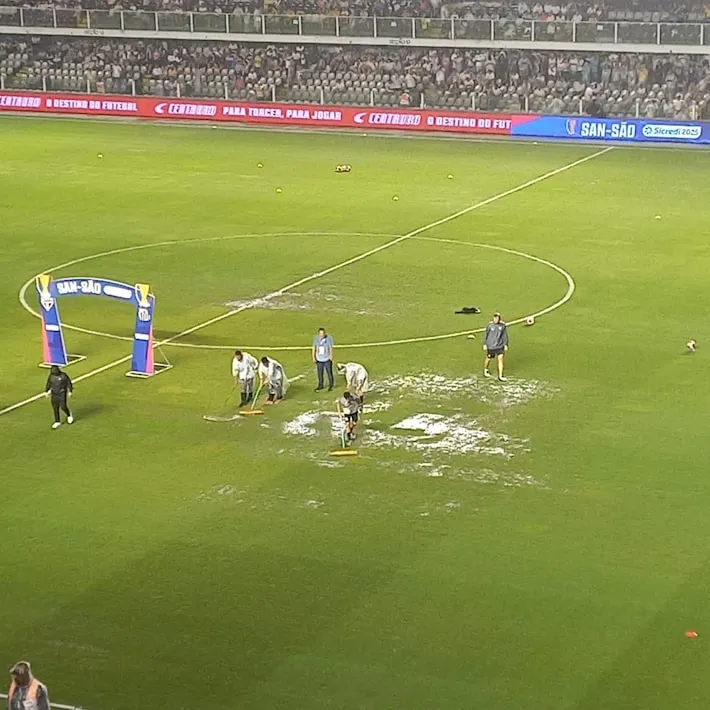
(538, 543)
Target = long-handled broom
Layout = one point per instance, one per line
(343, 451)
(251, 411)
(223, 417)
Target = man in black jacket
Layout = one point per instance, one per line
(59, 387)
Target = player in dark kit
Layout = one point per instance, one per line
(59, 387)
(349, 408)
(496, 345)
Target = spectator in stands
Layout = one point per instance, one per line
(616, 84)
(578, 11)
(26, 692)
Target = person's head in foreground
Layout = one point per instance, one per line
(21, 672)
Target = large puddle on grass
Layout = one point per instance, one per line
(442, 440)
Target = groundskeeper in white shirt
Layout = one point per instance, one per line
(356, 377)
(272, 373)
(244, 367)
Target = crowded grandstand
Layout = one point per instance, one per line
(582, 77)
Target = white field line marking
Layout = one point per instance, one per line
(168, 243)
(571, 287)
(293, 348)
(353, 260)
(35, 397)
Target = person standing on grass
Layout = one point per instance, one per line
(244, 368)
(322, 352)
(271, 373)
(349, 406)
(59, 386)
(495, 344)
(26, 692)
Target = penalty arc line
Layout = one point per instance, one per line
(343, 264)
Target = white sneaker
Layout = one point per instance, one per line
(501, 378)
(56, 425)
(486, 373)
(70, 419)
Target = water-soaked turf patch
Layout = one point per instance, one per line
(453, 436)
(310, 300)
(441, 440)
(427, 385)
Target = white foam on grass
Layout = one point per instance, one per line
(451, 435)
(313, 299)
(440, 441)
(433, 471)
(430, 424)
(428, 433)
(512, 392)
(304, 424)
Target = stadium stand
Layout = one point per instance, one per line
(619, 10)
(663, 86)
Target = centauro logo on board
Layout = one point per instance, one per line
(380, 118)
(174, 109)
(20, 102)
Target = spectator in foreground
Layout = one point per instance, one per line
(26, 692)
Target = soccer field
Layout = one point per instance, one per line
(539, 543)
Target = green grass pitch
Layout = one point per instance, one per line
(539, 544)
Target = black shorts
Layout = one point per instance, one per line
(352, 417)
(496, 352)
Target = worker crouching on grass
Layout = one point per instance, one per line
(59, 387)
(272, 374)
(356, 378)
(26, 692)
(349, 409)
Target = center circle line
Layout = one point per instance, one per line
(571, 287)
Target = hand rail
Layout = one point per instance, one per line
(406, 30)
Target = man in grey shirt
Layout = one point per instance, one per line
(495, 343)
